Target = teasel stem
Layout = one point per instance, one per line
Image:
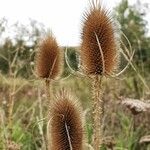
(98, 112)
(11, 106)
(10, 110)
(48, 90)
(49, 96)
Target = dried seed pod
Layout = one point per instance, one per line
(145, 139)
(99, 47)
(66, 123)
(49, 59)
(136, 106)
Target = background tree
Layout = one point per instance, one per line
(134, 26)
(17, 50)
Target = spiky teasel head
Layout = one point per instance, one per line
(66, 123)
(49, 58)
(99, 47)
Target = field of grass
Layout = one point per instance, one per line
(38, 114)
(122, 129)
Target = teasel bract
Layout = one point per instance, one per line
(66, 127)
(99, 57)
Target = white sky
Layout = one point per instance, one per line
(63, 17)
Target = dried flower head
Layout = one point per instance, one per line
(49, 59)
(145, 139)
(99, 47)
(66, 124)
(136, 106)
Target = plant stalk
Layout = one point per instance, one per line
(47, 90)
(11, 106)
(48, 95)
(10, 110)
(98, 112)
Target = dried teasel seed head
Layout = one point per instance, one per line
(66, 123)
(49, 58)
(145, 139)
(99, 46)
(136, 106)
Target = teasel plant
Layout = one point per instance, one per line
(99, 57)
(49, 67)
(49, 62)
(66, 123)
(99, 54)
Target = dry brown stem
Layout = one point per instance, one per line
(98, 111)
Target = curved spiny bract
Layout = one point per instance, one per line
(98, 31)
(49, 58)
(66, 123)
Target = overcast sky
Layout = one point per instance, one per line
(63, 17)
